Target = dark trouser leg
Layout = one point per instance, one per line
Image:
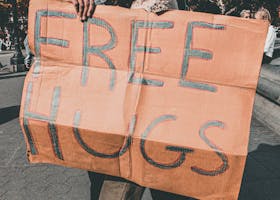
(132, 191)
(96, 181)
(159, 195)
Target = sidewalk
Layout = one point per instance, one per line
(5, 66)
(5, 62)
(276, 61)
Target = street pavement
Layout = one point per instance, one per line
(20, 180)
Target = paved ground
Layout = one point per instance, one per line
(20, 180)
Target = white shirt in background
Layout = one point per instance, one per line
(270, 41)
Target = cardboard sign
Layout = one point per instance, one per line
(164, 101)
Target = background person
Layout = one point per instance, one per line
(245, 14)
(264, 14)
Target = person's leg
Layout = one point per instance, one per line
(96, 181)
(131, 191)
(160, 195)
(134, 192)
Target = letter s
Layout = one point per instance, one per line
(217, 150)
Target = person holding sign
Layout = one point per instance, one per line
(115, 95)
(85, 10)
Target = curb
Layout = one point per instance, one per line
(11, 75)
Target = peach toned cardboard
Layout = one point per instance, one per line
(164, 101)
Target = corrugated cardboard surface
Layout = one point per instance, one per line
(164, 101)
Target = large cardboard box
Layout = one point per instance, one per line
(164, 101)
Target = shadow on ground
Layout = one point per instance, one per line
(9, 113)
(261, 179)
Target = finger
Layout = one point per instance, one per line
(86, 8)
(76, 5)
(81, 8)
(91, 9)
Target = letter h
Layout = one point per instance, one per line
(27, 115)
